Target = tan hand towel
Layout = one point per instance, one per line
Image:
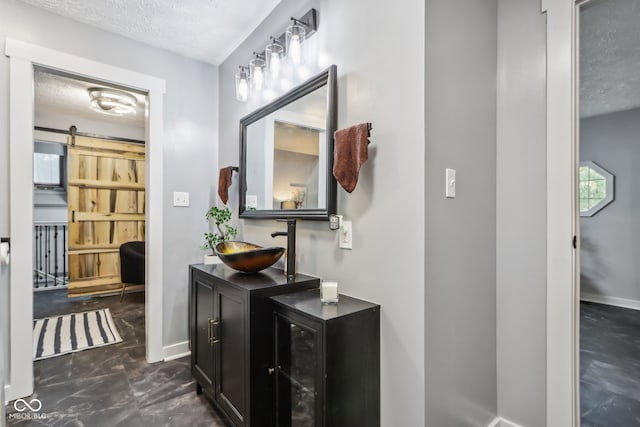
(224, 182)
(350, 151)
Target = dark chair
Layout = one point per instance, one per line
(131, 264)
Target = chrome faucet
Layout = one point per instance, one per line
(291, 245)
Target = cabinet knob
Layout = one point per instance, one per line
(271, 370)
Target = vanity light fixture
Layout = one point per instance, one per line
(256, 71)
(267, 66)
(242, 84)
(111, 101)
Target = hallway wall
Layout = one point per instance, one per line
(382, 82)
(610, 240)
(460, 258)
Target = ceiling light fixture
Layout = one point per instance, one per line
(111, 101)
(269, 63)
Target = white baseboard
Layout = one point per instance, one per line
(618, 302)
(502, 422)
(176, 351)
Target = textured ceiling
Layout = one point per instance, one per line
(208, 30)
(65, 95)
(609, 56)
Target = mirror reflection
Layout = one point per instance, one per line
(286, 156)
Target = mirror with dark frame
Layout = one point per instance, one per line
(286, 154)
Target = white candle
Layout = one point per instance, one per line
(329, 292)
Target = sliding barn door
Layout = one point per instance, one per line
(106, 192)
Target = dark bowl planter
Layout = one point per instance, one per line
(247, 257)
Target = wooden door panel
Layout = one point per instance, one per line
(97, 264)
(103, 234)
(106, 192)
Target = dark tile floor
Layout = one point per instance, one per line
(609, 366)
(112, 385)
(115, 386)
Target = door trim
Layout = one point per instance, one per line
(562, 216)
(22, 57)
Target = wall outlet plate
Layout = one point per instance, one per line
(335, 222)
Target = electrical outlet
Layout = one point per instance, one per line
(180, 198)
(346, 235)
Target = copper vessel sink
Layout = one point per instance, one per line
(247, 257)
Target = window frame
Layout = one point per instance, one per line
(609, 188)
(60, 150)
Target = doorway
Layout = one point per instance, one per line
(98, 178)
(22, 59)
(608, 192)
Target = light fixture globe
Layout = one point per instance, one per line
(295, 36)
(111, 101)
(257, 73)
(242, 84)
(273, 56)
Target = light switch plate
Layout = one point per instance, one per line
(450, 183)
(346, 235)
(180, 198)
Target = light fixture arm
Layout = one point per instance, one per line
(307, 25)
(309, 20)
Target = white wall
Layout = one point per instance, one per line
(190, 129)
(460, 303)
(381, 80)
(610, 240)
(521, 211)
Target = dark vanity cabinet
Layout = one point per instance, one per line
(232, 338)
(327, 361)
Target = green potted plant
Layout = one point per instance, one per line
(220, 216)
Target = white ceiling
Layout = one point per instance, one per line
(609, 56)
(207, 30)
(57, 94)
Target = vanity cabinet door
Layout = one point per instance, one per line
(298, 370)
(201, 317)
(230, 355)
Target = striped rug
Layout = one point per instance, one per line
(57, 335)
